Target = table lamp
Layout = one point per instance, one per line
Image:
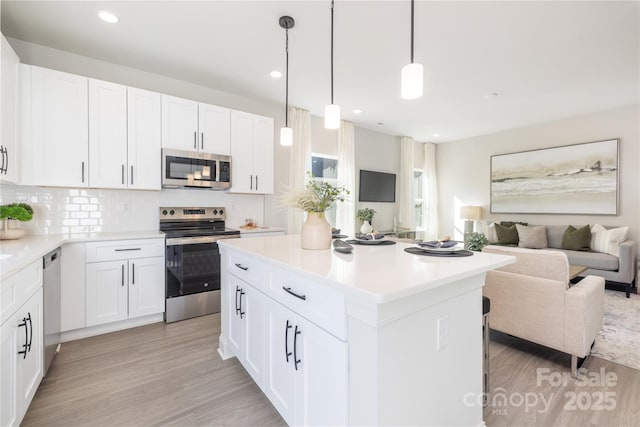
(470, 214)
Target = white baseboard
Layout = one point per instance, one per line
(77, 334)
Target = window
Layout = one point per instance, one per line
(325, 168)
(418, 196)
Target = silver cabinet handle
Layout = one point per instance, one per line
(251, 185)
(128, 249)
(256, 182)
(83, 171)
(202, 140)
(6, 160)
(122, 274)
(131, 174)
(195, 140)
(122, 173)
(133, 274)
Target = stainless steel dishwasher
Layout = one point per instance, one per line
(52, 305)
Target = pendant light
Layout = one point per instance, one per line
(332, 111)
(286, 133)
(411, 76)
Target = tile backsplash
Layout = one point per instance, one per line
(73, 210)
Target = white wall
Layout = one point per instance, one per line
(464, 167)
(377, 152)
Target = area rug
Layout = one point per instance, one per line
(619, 339)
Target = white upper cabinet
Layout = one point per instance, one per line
(179, 123)
(8, 107)
(144, 128)
(251, 153)
(214, 126)
(124, 137)
(53, 128)
(192, 126)
(107, 134)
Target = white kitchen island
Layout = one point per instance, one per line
(376, 337)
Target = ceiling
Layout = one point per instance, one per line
(546, 59)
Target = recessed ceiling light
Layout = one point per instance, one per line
(491, 95)
(275, 74)
(357, 111)
(107, 16)
(435, 135)
(379, 123)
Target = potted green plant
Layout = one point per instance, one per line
(315, 199)
(366, 216)
(476, 241)
(11, 213)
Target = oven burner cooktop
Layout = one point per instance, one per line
(190, 225)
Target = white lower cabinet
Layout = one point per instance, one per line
(247, 327)
(124, 280)
(21, 361)
(119, 290)
(298, 382)
(287, 355)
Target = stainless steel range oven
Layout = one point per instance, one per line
(192, 260)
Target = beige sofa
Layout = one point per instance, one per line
(533, 299)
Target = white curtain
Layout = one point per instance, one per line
(299, 162)
(430, 190)
(405, 198)
(345, 211)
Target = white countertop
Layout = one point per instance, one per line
(17, 254)
(378, 273)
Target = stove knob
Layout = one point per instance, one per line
(215, 211)
(164, 212)
(171, 212)
(221, 211)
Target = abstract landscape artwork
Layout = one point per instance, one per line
(572, 179)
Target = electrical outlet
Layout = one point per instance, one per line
(443, 333)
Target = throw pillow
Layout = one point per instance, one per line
(492, 236)
(608, 241)
(510, 223)
(532, 237)
(507, 235)
(577, 239)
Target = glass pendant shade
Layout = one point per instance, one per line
(332, 116)
(286, 136)
(411, 81)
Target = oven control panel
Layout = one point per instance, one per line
(174, 213)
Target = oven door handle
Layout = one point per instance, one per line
(179, 241)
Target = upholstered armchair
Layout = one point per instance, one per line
(534, 300)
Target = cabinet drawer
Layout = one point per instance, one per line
(18, 288)
(316, 302)
(248, 269)
(124, 249)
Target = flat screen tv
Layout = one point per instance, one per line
(377, 186)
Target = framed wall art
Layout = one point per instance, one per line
(571, 179)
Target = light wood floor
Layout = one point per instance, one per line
(159, 374)
(172, 375)
(514, 368)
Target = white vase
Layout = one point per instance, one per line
(366, 228)
(316, 231)
(10, 233)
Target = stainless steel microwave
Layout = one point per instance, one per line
(193, 169)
